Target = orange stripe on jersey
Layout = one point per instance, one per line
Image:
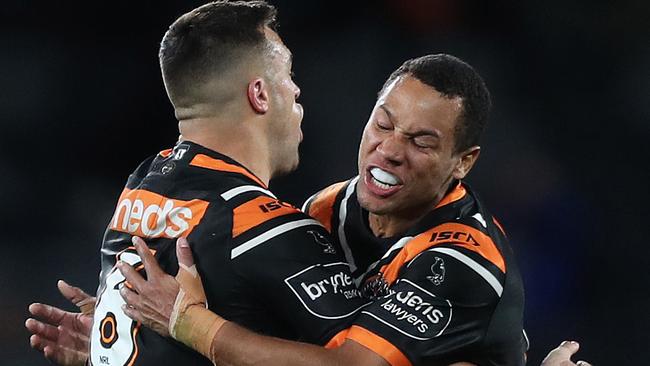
(498, 224)
(204, 161)
(151, 215)
(134, 334)
(166, 153)
(448, 233)
(322, 207)
(378, 345)
(338, 339)
(257, 211)
(453, 196)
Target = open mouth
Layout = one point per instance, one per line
(382, 182)
(383, 178)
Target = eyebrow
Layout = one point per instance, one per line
(420, 132)
(390, 115)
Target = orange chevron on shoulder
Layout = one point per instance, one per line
(258, 211)
(448, 233)
(166, 153)
(470, 238)
(322, 206)
(204, 161)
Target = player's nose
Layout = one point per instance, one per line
(391, 149)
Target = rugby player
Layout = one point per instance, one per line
(418, 240)
(198, 118)
(228, 75)
(446, 287)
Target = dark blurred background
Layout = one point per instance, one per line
(563, 163)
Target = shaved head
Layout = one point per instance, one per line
(208, 50)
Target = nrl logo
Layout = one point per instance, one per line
(328, 248)
(438, 271)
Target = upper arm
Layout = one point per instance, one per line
(354, 353)
(321, 205)
(299, 273)
(438, 310)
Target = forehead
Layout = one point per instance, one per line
(413, 104)
(277, 48)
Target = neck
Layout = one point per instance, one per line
(384, 226)
(236, 138)
(396, 223)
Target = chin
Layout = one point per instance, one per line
(373, 205)
(295, 164)
(288, 167)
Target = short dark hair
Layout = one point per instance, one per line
(209, 38)
(452, 77)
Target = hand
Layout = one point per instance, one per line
(561, 356)
(62, 336)
(148, 301)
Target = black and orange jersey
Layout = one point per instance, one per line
(447, 290)
(264, 264)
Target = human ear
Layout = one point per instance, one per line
(466, 162)
(258, 95)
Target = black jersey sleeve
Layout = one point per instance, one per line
(271, 268)
(300, 274)
(437, 311)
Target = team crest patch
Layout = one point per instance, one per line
(438, 272)
(328, 248)
(167, 168)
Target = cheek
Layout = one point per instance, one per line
(289, 89)
(426, 168)
(363, 150)
(283, 95)
(369, 140)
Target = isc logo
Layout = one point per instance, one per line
(274, 205)
(453, 235)
(151, 215)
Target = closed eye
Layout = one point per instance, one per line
(425, 142)
(384, 126)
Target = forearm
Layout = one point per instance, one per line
(226, 343)
(223, 342)
(236, 346)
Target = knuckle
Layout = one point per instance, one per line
(145, 291)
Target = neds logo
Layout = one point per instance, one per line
(151, 215)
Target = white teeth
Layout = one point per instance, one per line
(383, 177)
(380, 184)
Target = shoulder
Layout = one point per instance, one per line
(321, 205)
(451, 257)
(258, 210)
(259, 217)
(465, 237)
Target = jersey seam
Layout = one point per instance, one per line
(494, 309)
(505, 276)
